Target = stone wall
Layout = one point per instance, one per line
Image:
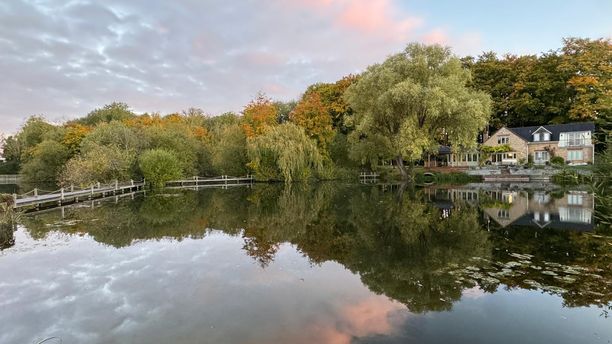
(517, 144)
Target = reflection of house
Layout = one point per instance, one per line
(505, 207)
(572, 211)
(570, 141)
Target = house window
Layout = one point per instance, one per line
(575, 139)
(541, 156)
(536, 137)
(574, 214)
(574, 155)
(502, 140)
(503, 214)
(574, 199)
(546, 137)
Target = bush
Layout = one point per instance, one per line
(557, 160)
(99, 164)
(159, 166)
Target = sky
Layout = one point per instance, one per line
(62, 59)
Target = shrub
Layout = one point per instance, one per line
(159, 166)
(99, 164)
(557, 160)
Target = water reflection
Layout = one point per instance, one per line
(407, 253)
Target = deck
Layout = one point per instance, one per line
(38, 197)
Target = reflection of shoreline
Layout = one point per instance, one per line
(401, 245)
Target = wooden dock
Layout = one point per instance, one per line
(201, 182)
(85, 203)
(37, 197)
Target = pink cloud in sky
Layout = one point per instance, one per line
(369, 17)
(436, 36)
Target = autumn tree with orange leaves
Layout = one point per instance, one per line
(313, 116)
(259, 115)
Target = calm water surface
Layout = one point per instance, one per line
(326, 263)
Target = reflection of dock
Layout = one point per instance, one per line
(368, 177)
(202, 182)
(72, 194)
(10, 179)
(86, 204)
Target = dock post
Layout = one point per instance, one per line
(35, 192)
(14, 200)
(92, 192)
(98, 185)
(61, 195)
(71, 187)
(116, 184)
(132, 182)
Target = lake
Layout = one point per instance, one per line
(322, 263)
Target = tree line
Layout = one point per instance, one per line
(396, 110)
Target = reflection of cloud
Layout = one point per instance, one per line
(181, 292)
(473, 293)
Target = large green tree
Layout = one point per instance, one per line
(413, 100)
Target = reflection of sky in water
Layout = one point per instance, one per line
(209, 291)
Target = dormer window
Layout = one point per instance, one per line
(542, 134)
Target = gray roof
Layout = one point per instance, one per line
(555, 129)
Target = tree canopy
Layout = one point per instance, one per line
(414, 99)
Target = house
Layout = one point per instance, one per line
(447, 158)
(572, 142)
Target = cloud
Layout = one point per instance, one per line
(155, 55)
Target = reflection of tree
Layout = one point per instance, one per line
(400, 248)
(121, 224)
(256, 245)
(576, 266)
(398, 243)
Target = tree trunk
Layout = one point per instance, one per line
(405, 171)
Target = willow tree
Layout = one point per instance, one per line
(413, 101)
(283, 152)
